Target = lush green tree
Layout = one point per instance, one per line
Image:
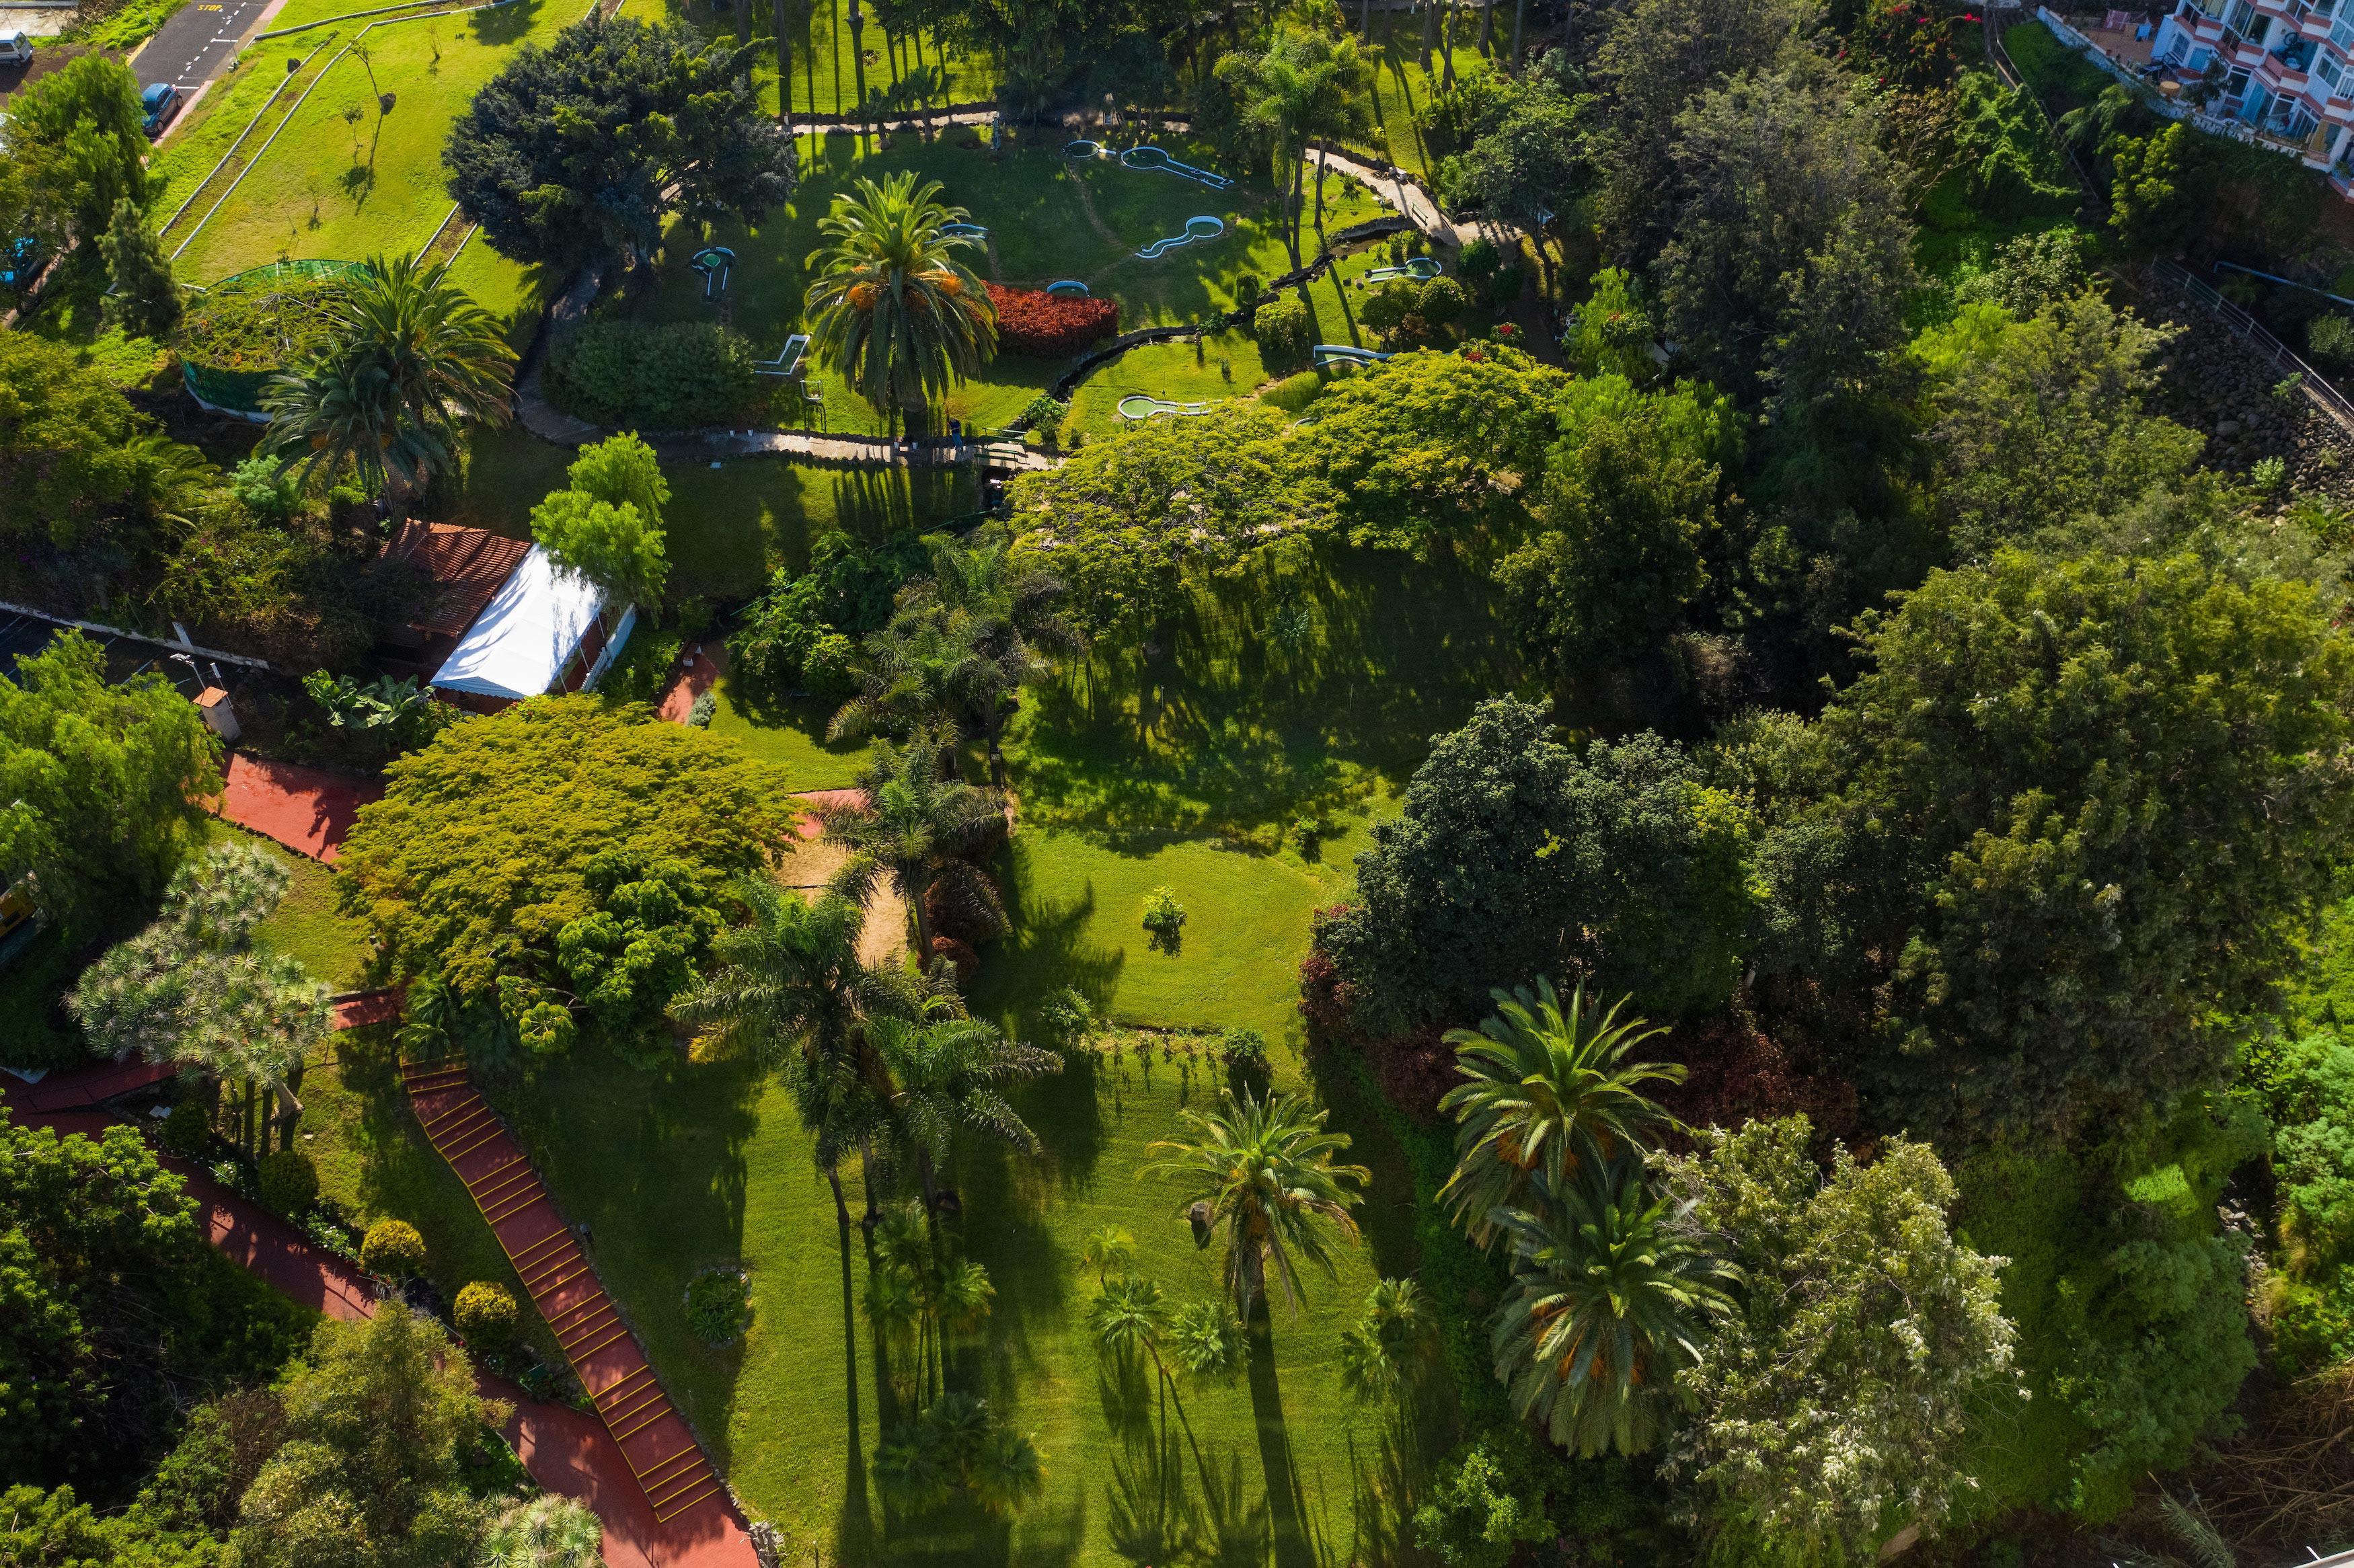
(1260, 1176)
(1516, 857)
(892, 304)
(106, 784)
(1611, 1298)
(2044, 422)
(1305, 87)
(921, 830)
(947, 1076)
(141, 297)
(192, 988)
(1480, 1508)
(82, 133)
(787, 987)
(80, 1219)
(1125, 522)
(1629, 498)
(1433, 446)
(1791, 253)
(580, 151)
(411, 356)
(548, 1531)
(617, 546)
(1831, 1407)
(2074, 809)
(73, 454)
(1547, 1093)
(369, 1475)
(2153, 196)
(1612, 333)
(1528, 165)
(559, 815)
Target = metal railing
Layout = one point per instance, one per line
(2252, 332)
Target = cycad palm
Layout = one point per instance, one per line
(411, 356)
(947, 1073)
(1609, 1293)
(895, 309)
(920, 828)
(788, 987)
(1261, 1174)
(1550, 1091)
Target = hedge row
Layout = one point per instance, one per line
(674, 376)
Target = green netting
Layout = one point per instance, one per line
(248, 328)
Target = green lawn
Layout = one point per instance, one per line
(1223, 364)
(341, 181)
(792, 736)
(306, 927)
(730, 527)
(1040, 232)
(706, 1165)
(1402, 87)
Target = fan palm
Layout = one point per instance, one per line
(1261, 1175)
(410, 357)
(1380, 1351)
(918, 828)
(788, 987)
(1008, 1473)
(895, 309)
(1547, 1092)
(945, 1074)
(1610, 1287)
(1107, 1247)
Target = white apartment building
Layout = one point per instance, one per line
(2290, 74)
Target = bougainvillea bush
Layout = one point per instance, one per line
(1049, 326)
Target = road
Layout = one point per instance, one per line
(197, 41)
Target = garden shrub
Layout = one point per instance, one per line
(1293, 394)
(1285, 333)
(958, 954)
(187, 1131)
(485, 1316)
(2331, 339)
(1241, 1046)
(785, 645)
(287, 1182)
(393, 1250)
(672, 376)
(706, 706)
(1064, 1016)
(1478, 261)
(1442, 302)
(1164, 917)
(1391, 303)
(719, 1305)
(1480, 1507)
(1049, 326)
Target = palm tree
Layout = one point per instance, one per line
(1262, 1174)
(1547, 1092)
(906, 673)
(1001, 617)
(894, 308)
(918, 829)
(1305, 87)
(1380, 1351)
(788, 987)
(548, 1531)
(411, 355)
(945, 1074)
(1008, 1473)
(1609, 1289)
(1107, 1247)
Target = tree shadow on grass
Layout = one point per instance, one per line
(504, 24)
(1285, 1505)
(1152, 1516)
(854, 1525)
(1047, 948)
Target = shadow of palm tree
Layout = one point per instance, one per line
(1151, 1517)
(1284, 1504)
(1241, 1531)
(853, 1538)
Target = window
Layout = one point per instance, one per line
(2326, 67)
(2341, 31)
(2243, 13)
(2236, 85)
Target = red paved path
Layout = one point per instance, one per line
(307, 810)
(696, 675)
(565, 1451)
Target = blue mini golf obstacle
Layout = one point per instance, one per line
(1068, 288)
(1143, 406)
(714, 262)
(1326, 354)
(1151, 158)
(964, 231)
(1422, 270)
(788, 362)
(1194, 231)
(1082, 148)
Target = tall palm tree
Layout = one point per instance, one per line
(907, 673)
(1610, 1289)
(1546, 1092)
(788, 988)
(895, 309)
(1308, 86)
(945, 1074)
(1001, 617)
(410, 357)
(1261, 1175)
(918, 828)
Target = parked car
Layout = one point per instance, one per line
(161, 101)
(16, 50)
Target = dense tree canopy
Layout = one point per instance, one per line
(569, 152)
(80, 135)
(1518, 857)
(2073, 808)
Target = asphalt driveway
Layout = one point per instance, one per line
(199, 39)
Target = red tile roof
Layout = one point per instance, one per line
(466, 565)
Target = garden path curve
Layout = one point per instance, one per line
(307, 810)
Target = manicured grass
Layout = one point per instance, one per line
(1401, 86)
(1039, 232)
(1299, 687)
(306, 926)
(704, 1165)
(792, 736)
(729, 527)
(1224, 364)
(342, 181)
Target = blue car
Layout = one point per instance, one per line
(20, 259)
(160, 102)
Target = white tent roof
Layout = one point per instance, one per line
(519, 644)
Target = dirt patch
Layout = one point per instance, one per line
(884, 938)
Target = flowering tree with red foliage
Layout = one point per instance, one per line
(1049, 326)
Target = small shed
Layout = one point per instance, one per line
(545, 629)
